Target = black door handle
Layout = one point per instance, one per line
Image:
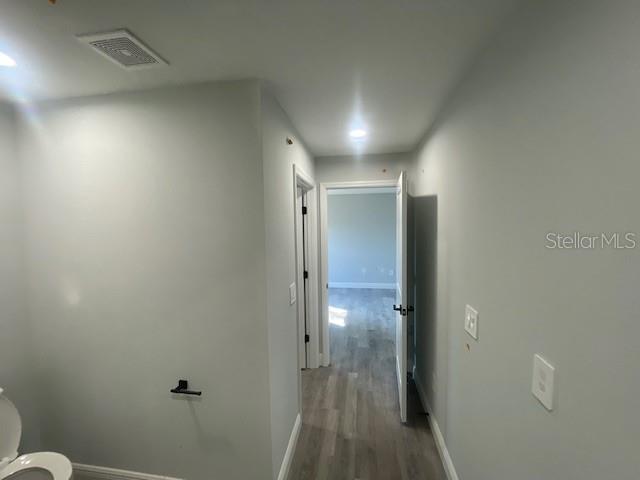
(403, 311)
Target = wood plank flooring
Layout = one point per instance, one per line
(351, 426)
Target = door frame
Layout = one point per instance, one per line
(305, 181)
(324, 248)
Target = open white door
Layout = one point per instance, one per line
(401, 307)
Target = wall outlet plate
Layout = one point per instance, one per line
(543, 382)
(292, 294)
(471, 319)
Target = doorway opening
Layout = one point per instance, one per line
(364, 303)
(306, 286)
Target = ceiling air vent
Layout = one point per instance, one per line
(123, 48)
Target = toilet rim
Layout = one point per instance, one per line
(56, 464)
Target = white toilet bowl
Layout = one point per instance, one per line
(32, 466)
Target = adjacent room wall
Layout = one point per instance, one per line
(362, 240)
(146, 264)
(541, 137)
(15, 348)
(279, 158)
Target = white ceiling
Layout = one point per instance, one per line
(383, 64)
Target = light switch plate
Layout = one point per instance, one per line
(292, 294)
(471, 319)
(543, 381)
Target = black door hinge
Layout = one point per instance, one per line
(306, 338)
(304, 210)
(305, 275)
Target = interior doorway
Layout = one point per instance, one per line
(306, 285)
(364, 269)
(302, 274)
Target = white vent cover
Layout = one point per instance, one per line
(123, 48)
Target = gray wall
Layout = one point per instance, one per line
(542, 136)
(15, 361)
(429, 337)
(146, 264)
(362, 238)
(365, 167)
(279, 158)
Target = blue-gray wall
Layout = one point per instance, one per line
(362, 238)
(542, 136)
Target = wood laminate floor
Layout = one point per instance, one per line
(351, 425)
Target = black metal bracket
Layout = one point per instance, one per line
(397, 308)
(183, 389)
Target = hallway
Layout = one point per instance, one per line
(351, 422)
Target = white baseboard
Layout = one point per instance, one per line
(291, 449)
(323, 361)
(385, 286)
(94, 472)
(449, 468)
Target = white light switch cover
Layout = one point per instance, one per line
(471, 319)
(543, 381)
(292, 294)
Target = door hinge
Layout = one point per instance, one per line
(305, 275)
(306, 338)
(304, 210)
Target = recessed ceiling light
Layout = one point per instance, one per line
(358, 133)
(6, 60)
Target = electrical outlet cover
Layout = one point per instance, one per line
(543, 381)
(471, 319)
